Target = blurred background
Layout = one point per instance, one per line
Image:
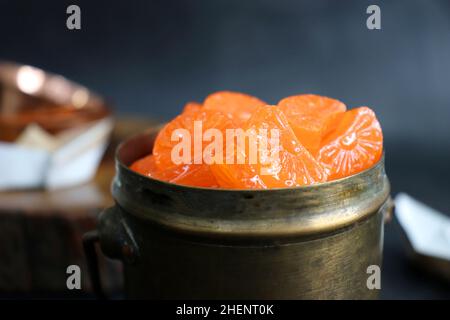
(150, 57)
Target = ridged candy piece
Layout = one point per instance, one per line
(308, 116)
(197, 172)
(354, 143)
(147, 167)
(295, 166)
(191, 175)
(237, 106)
(192, 107)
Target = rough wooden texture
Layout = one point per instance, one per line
(41, 231)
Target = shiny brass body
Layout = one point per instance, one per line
(181, 242)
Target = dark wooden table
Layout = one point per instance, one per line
(41, 231)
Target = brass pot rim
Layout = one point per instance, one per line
(280, 213)
(126, 167)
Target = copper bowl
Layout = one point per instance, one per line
(32, 95)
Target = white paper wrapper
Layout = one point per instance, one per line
(427, 229)
(38, 159)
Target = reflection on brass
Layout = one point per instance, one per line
(182, 242)
(31, 95)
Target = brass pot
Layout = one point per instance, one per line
(179, 242)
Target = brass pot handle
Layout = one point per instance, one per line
(115, 236)
(116, 241)
(89, 241)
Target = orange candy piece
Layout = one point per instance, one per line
(294, 165)
(308, 116)
(354, 143)
(195, 172)
(237, 106)
(195, 175)
(182, 127)
(147, 167)
(318, 141)
(191, 107)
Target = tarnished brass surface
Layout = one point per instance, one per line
(331, 267)
(185, 242)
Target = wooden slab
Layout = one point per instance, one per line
(41, 231)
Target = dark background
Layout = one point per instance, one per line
(150, 57)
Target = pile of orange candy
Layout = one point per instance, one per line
(319, 140)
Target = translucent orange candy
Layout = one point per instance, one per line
(354, 144)
(294, 165)
(147, 167)
(309, 115)
(318, 141)
(195, 173)
(237, 106)
(191, 107)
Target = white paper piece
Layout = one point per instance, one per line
(427, 229)
(77, 160)
(38, 159)
(34, 137)
(79, 169)
(22, 167)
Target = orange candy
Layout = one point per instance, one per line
(318, 141)
(289, 163)
(355, 143)
(192, 107)
(193, 171)
(147, 167)
(195, 175)
(237, 106)
(182, 127)
(308, 116)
